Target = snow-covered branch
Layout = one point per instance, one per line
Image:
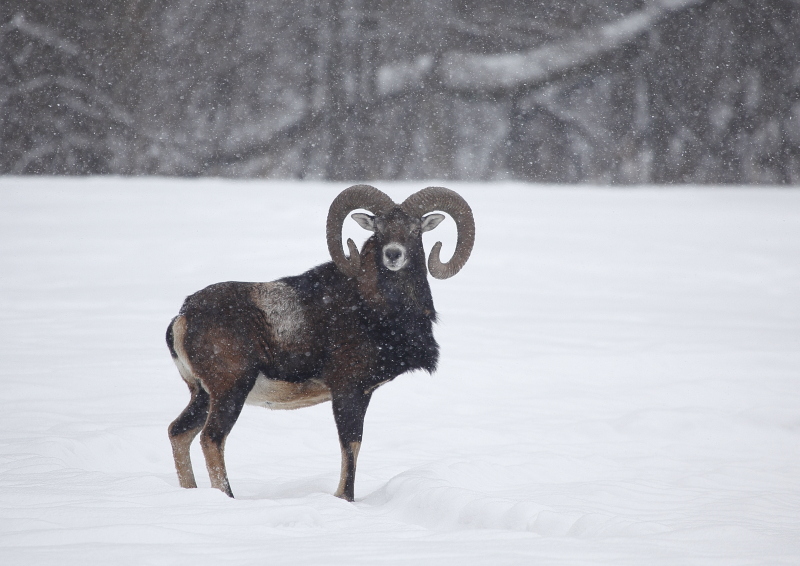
(44, 34)
(474, 72)
(397, 77)
(466, 71)
(115, 111)
(276, 143)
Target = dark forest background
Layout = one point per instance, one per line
(606, 91)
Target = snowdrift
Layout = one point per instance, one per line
(618, 382)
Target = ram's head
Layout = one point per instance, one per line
(398, 229)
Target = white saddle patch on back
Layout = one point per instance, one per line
(283, 309)
(276, 394)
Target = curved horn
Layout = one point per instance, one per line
(439, 198)
(357, 196)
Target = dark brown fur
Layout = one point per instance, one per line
(356, 334)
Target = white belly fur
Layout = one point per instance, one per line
(275, 394)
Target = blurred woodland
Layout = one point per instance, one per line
(602, 91)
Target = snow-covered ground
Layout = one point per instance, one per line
(619, 383)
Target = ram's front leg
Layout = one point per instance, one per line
(349, 408)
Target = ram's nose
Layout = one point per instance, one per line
(393, 254)
(394, 257)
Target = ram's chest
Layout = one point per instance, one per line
(404, 345)
(276, 394)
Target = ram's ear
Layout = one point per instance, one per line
(431, 221)
(366, 221)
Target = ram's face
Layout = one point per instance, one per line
(398, 235)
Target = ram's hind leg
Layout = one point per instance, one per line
(223, 412)
(183, 430)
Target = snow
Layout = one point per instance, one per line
(618, 382)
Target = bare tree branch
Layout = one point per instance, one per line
(45, 35)
(470, 72)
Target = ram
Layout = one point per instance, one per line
(335, 333)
